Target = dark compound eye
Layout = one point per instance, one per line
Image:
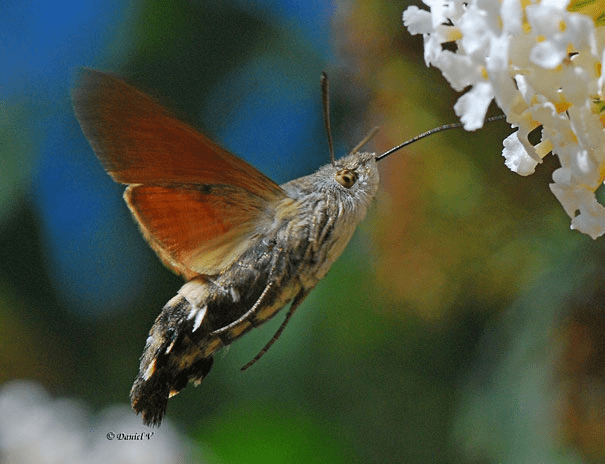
(346, 178)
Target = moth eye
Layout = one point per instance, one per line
(346, 178)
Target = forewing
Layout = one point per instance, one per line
(139, 142)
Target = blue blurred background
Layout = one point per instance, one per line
(462, 324)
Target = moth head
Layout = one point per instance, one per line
(355, 175)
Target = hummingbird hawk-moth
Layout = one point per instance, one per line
(246, 246)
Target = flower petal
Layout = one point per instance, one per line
(517, 158)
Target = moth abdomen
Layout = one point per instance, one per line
(171, 359)
(204, 316)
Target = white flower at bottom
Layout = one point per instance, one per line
(542, 63)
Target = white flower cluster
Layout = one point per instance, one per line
(542, 62)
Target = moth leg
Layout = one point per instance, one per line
(295, 304)
(220, 332)
(323, 232)
(247, 315)
(298, 299)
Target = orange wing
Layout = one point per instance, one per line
(196, 203)
(195, 229)
(140, 142)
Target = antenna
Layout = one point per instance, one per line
(365, 140)
(454, 125)
(325, 100)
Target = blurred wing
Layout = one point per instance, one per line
(196, 204)
(139, 142)
(195, 229)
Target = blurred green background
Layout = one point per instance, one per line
(463, 323)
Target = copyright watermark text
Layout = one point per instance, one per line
(129, 436)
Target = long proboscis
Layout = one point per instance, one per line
(455, 125)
